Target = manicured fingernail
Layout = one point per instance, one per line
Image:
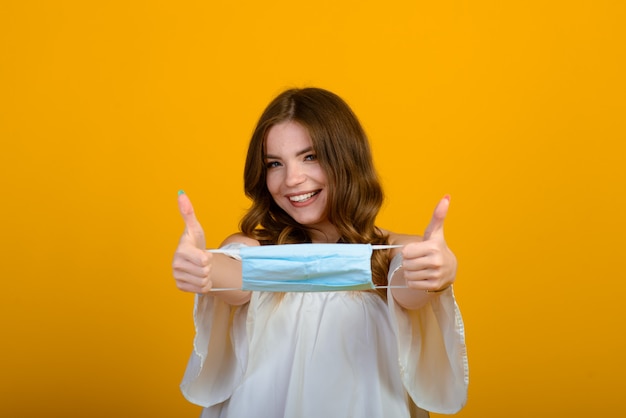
(181, 192)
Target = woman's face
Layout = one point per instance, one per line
(296, 180)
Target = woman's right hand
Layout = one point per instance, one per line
(192, 263)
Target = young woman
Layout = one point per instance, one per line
(397, 352)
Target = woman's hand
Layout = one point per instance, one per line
(192, 263)
(429, 264)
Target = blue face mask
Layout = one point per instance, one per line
(306, 267)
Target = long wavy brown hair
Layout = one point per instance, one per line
(354, 191)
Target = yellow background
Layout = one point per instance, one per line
(517, 109)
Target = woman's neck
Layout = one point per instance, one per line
(324, 237)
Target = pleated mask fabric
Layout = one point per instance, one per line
(306, 267)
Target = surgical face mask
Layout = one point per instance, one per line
(305, 267)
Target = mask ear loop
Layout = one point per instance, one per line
(231, 252)
(385, 247)
(234, 252)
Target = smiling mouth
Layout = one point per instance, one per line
(303, 197)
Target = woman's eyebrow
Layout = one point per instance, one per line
(299, 153)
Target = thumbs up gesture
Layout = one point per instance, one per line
(192, 263)
(429, 264)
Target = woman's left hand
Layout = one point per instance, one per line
(429, 264)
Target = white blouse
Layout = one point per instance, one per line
(327, 354)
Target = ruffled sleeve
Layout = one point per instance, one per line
(214, 368)
(432, 352)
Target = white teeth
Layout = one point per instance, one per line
(302, 197)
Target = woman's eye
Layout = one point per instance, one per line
(310, 157)
(272, 164)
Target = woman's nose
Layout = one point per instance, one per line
(295, 175)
